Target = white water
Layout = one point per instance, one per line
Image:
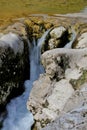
(19, 118)
(73, 37)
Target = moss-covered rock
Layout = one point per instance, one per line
(36, 27)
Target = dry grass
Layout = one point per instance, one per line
(19, 8)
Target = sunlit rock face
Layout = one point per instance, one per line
(65, 72)
(57, 38)
(81, 41)
(74, 115)
(65, 75)
(13, 60)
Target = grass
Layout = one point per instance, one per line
(19, 8)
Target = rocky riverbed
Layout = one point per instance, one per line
(59, 95)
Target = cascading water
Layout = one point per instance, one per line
(19, 118)
(73, 37)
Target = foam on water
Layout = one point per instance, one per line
(19, 118)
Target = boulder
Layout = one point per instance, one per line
(36, 27)
(17, 28)
(74, 116)
(81, 41)
(57, 38)
(13, 63)
(65, 72)
(57, 32)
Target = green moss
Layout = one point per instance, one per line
(77, 83)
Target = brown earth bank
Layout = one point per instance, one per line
(10, 10)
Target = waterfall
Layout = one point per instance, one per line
(19, 118)
(73, 37)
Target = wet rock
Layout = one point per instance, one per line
(57, 38)
(17, 28)
(81, 41)
(13, 63)
(57, 32)
(74, 116)
(49, 97)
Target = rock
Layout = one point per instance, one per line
(60, 94)
(74, 116)
(17, 28)
(36, 27)
(75, 120)
(57, 32)
(46, 105)
(77, 99)
(81, 41)
(1, 34)
(13, 63)
(66, 71)
(42, 86)
(53, 43)
(48, 25)
(57, 38)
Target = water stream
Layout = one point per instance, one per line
(73, 37)
(19, 118)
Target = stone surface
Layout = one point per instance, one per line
(17, 28)
(13, 63)
(59, 37)
(57, 32)
(74, 116)
(66, 70)
(82, 41)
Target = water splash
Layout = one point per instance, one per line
(73, 37)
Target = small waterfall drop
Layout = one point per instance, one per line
(73, 37)
(19, 118)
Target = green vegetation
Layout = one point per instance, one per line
(17, 8)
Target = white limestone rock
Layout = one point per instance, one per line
(52, 91)
(57, 32)
(60, 94)
(74, 116)
(81, 41)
